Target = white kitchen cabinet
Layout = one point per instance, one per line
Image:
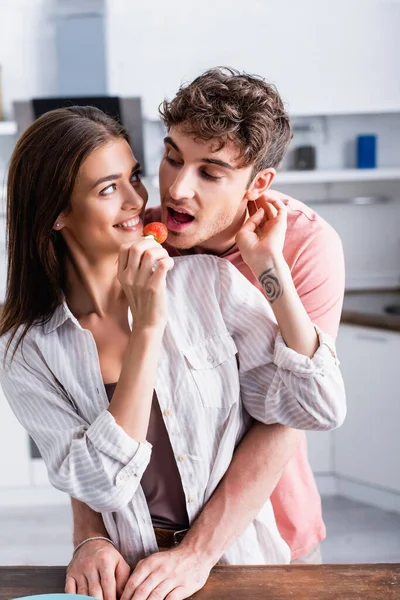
(367, 446)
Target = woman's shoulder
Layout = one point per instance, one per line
(204, 267)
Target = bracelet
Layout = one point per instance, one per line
(91, 539)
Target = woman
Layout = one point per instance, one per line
(139, 417)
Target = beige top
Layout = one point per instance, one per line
(222, 362)
(161, 482)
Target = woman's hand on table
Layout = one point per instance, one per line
(97, 570)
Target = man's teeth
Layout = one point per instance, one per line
(181, 212)
(130, 223)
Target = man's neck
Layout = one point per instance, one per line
(214, 248)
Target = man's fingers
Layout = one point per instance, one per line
(139, 575)
(162, 590)
(70, 585)
(144, 590)
(254, 221)
(122, 573)
(279, 206)
(179, 593)
(252, 207)
(270, 211)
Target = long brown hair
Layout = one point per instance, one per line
(42, 174)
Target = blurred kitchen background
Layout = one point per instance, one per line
(337, 66)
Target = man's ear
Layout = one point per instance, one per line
(260, 184)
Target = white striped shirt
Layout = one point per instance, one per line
(217, 322)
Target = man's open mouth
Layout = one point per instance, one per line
(180, 217)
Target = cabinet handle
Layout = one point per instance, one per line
(369, 337)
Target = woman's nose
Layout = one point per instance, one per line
(132, 198)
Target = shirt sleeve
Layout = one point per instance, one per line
(97, 463)
(277, 384)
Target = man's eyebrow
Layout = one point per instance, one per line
(115, 176)
(220, 163)
(211, 161)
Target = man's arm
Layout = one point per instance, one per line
(260, 459)
(256, 468)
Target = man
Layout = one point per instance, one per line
(226, 135)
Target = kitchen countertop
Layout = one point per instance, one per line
(302, 582)
(367, 307)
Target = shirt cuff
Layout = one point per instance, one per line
(324, 359)
(108, 437)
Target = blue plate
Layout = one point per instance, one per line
(55, 597)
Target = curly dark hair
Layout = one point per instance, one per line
(225, 105)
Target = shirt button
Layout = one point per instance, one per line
(190, 500)
(122, 477)
(210, 359)
(181, 458)
(167, 412)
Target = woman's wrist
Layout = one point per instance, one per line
(147, 332)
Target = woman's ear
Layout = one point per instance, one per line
(59, 224)
(260, 184)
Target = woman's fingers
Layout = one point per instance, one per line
(95, 589)
(70, 585)
(139, 259)
(150, 259)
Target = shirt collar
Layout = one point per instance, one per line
(61, 314)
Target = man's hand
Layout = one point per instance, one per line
(262, 237)
(97, 570)
(172, 575)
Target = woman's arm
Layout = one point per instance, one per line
(145, 290)
(100, 463)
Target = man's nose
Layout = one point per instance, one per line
(182, 187)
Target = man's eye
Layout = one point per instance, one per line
(209, 177)
(108, 190)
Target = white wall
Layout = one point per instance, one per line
(324, 56)
(27, 50)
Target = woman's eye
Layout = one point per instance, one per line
(171, 160)
(108, 190)
(136, 177)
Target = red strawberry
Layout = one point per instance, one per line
(157, 230)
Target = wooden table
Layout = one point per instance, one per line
(311, 582)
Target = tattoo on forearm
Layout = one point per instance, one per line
(271, 285)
